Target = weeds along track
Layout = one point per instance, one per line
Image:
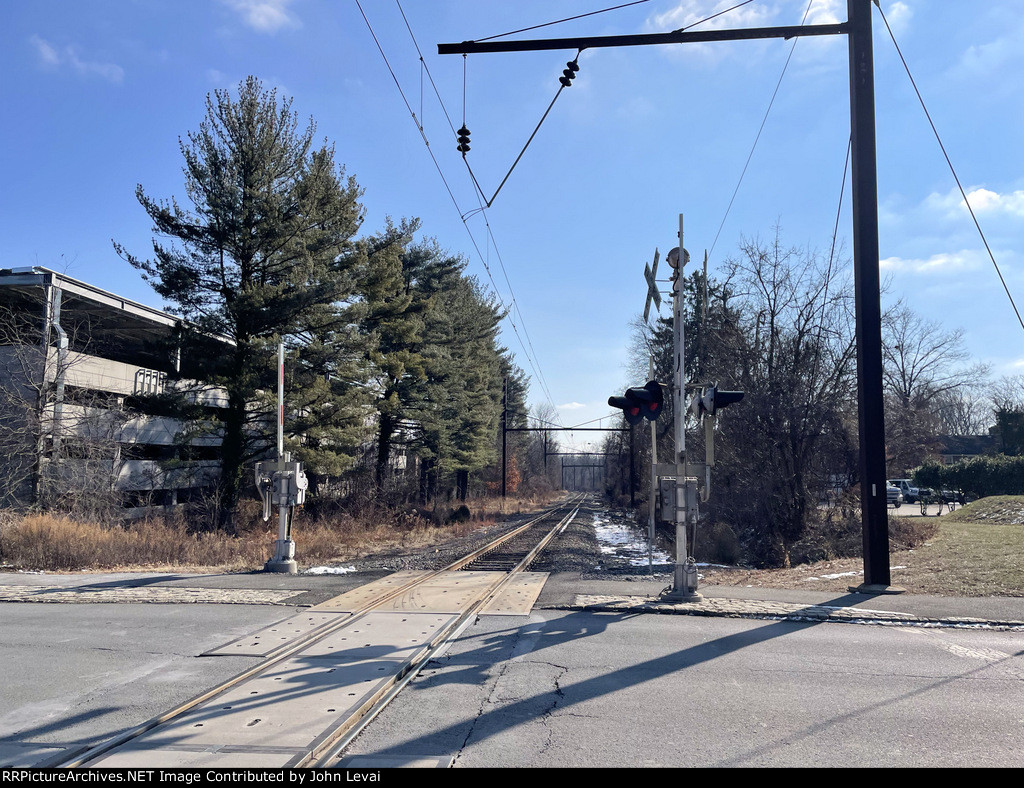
(214, 730)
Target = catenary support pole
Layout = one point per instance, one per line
(871, 413)
(865, 214)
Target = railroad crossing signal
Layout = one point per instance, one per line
(650, 274)
(641, 402)
(712, 399)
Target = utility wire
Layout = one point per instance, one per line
(831, 260)
(760, 130)
(426, 142)
(562, 87)
(559, 21)
(949, 162)
(709, 18)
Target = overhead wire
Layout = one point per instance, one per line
(831, 260)
(426, 141)
(952, 169)
(709, 18)
(559, 21)
(492, 242)
(760, 130)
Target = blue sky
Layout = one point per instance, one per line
(96, 95)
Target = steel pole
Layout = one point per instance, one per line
(504, 436)
(871, 410)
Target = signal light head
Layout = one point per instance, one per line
(630, 409)
(713, 399)
(641, 402)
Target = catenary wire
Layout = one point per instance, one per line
(760, 130)
(559, 21)
(481, 209)
(426, 142)
(709, 18)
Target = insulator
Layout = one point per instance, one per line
(463, 140)
(566, 81)
(573, 65)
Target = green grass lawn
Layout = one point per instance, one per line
(978, 551)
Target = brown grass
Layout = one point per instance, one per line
(56, 543)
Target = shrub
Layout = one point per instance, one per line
(978, 476)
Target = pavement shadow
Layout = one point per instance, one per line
(549, 634)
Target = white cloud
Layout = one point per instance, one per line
(46, 51)
(216, 76)
(687, 13)
(984, 201)
(899, 15)
(943, 263)
(826, 12)
(572, 406)
(55, 58)
(266, 16)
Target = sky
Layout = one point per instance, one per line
(97, 95)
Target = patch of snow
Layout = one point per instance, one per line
(833, 577)
(622, 540)
(329, 570)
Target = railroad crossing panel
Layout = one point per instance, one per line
(359, 598)
(448, 592)
(278, 716)
(518, 596)
(276, 636)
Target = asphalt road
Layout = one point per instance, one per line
(77, 674)
(581, 689)
(560, 688)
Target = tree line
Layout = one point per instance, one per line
(390, 346)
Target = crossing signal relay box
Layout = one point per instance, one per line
(281, 483)
(668, 502)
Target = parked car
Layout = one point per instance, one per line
(893, 496)
(911, 494)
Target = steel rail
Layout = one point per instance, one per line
(322, 757)
(82, 757)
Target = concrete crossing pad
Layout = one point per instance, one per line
(278, 716)
(359, 598)
(276, 636)
(518, 596)
(448, 592)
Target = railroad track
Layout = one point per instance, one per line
(305, 659)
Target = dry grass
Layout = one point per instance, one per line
(55, 543)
